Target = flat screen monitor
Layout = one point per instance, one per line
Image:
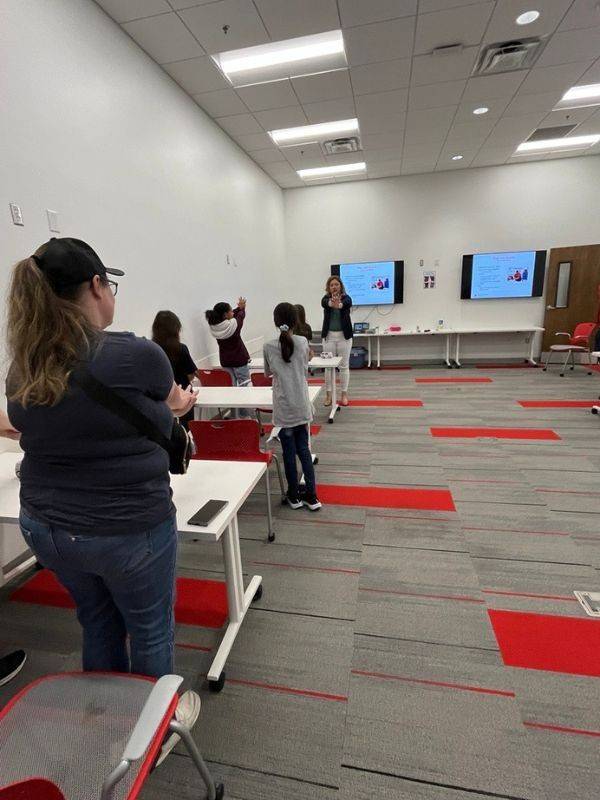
(372, 283)
(488, 276)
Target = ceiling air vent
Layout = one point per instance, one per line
(346, 144)
(508, 56)
(556, 132)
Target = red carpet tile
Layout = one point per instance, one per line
(453, 380)
(395, 366)
(495, 433)
(386, 403)
(315, 430)
(386, 497)
(316, 382)
(506, 366)
(547, 642)
(558, 403)
(201, 603)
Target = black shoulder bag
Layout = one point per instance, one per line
(180, 447)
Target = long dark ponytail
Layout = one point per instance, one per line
(285, 318)
(217, 314)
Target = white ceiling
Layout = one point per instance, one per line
(414, 109)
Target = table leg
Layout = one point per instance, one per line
(334, 404)
(531, 350)
(457, 350)
(448, 362)
(238, 600)
(369, 351)
(378, 352)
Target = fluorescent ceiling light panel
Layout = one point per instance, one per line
(564, 143)
(581, 96)
(305, 55)
(527, 17)
(326, 172)
(313, 133)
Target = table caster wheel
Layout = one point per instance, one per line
(271, 536)
(594, 409)
(219, 791)
(330, 420)
(258, 593)
(217, 686)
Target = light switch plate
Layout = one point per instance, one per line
(17, 216)
(53, 220)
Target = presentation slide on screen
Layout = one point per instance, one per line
(371, 283)
(502, 275)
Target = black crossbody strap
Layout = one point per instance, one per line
(109, 399)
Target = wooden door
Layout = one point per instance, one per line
(583, 295)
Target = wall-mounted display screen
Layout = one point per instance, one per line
(487, 276)
(372, 283)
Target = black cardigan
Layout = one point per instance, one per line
(345, 311)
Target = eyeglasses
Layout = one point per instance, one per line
(114, 287)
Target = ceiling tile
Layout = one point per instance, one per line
(330, 110)
(388, 154)
(531, 103)
(551, 79)
(503, 26)
(291, 183)
(383, 122)
(568, 46)
(325, 86)
(567, 116)
(281, 170)
(421, 152)
(344, 158)
(222, 103)
(287, 19)
(583, 14)
(445, 162)
(592, 75)
(431, 119)
(382, 101)
(206, 22)
(350, 178)
(514, 129)
(281, 118)
(179, 4)
(197, 75)
(591, 125)
(165, 38)
(381, 41)
(362, 12)
(496, 108)
(271, 155)
(429, 69)
(304, 156)
(469, 134)
(383, 76)
(384, 170)
(492, 156)
(436, 95)
(464, 26)
(486, 87)
(254, 141)
(418, 167)
(239, 124)
(432, 137)
(426, 6)
(263, 96)
(381, 141)
(126, 10)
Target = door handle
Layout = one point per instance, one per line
(550, 308)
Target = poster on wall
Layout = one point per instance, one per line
(429, 280)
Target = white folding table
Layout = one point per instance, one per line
(232, 481)
(318, 362)
(242, 396)
(379, 336)
(507, 329)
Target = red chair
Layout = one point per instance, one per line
(90, 735)
(235, 440)
(215, 377)
(579, 342)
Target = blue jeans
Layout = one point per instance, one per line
(122, 585)
(294, 442)
(240, 377)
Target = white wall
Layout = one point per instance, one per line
(93, 129)
(438, 217)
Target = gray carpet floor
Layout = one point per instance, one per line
(370, 668)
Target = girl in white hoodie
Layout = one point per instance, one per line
(226, 326)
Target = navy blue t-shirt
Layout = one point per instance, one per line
(86, 470)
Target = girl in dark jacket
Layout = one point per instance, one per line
(337, 333)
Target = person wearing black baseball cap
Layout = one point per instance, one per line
(96, 502)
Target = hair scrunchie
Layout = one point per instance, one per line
(284, 328)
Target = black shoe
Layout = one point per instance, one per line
(312, 502)
(293, 502)
(11, 665)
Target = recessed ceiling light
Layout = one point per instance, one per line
(304, 55)
(590, 91)
(481, 110)
(527, 17)
(307, 133)
(457, 158)
(326, 172)
(563, 143)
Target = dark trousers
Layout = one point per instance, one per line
(294, 443)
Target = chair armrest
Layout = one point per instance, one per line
(152, 715)
(562, 333)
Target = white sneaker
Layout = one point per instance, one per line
(187, 713)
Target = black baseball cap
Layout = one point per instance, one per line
(68, 262)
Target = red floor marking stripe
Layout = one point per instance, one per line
(342, 472)
(310, 569)
(316, 382)
(495, 433)
(198, 602)
(548, 642)
(558, 403)
(386, 403)
(386, 497)
(458, 598)
(188, 646)
(566, 491)
(453, 380)
(404, 516)
(518, 530)
(506, 366)
(442, 684)
(303, 521)
(560, 728)
(530, 595)
(338, 698)
(471, 480)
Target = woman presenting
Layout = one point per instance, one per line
(337, 333)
